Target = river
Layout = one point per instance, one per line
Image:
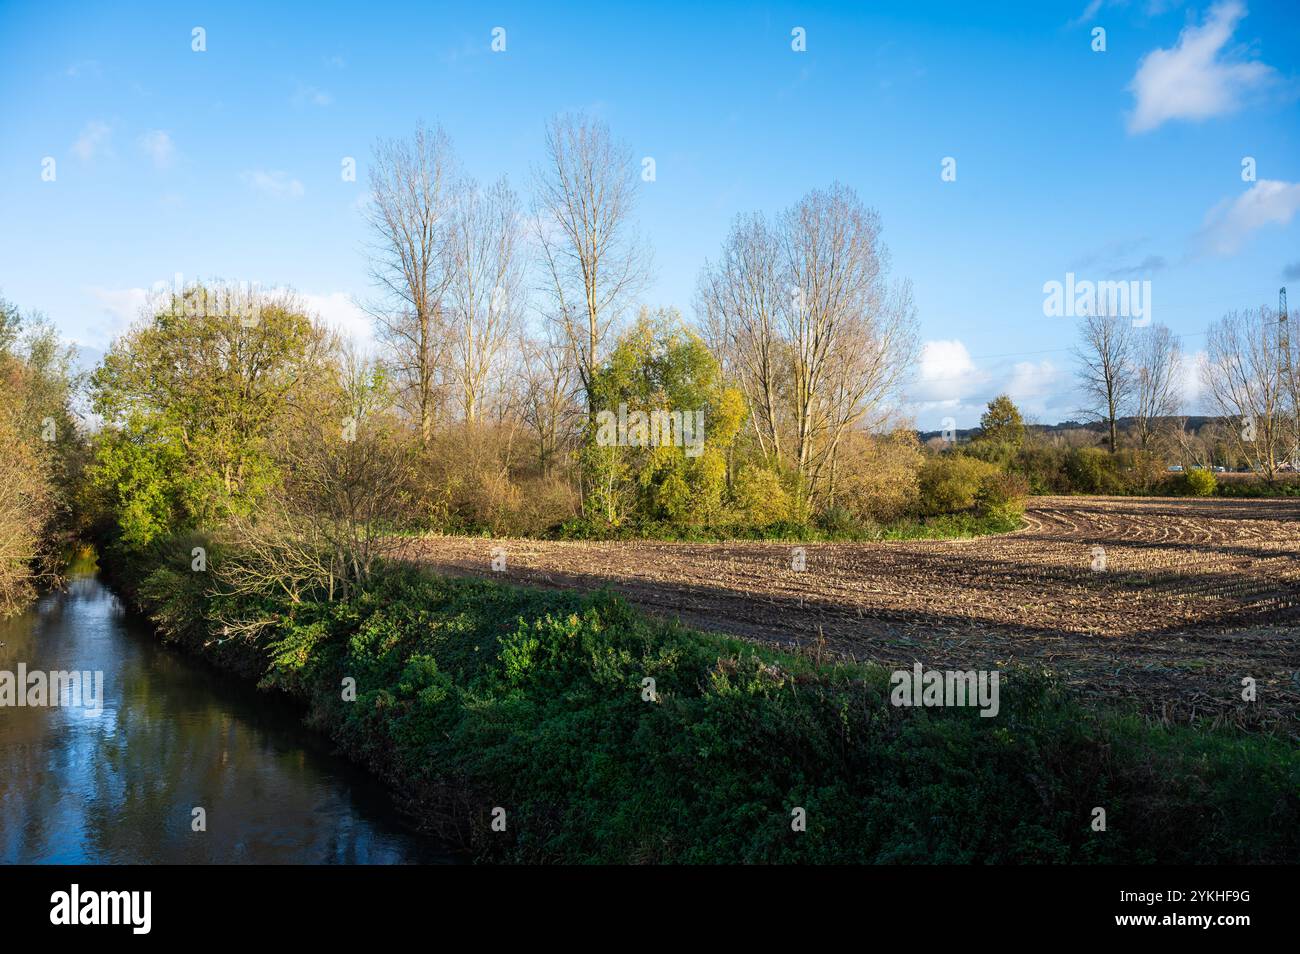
(120, 785)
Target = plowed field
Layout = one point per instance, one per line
(1194, 596)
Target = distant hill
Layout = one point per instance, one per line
(1193, 422)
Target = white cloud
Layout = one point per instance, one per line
(1230, 223)
(1152, 8)
(1042, 391)
(277, 185)
(1189, 381)
(305, 95)
(121, 306)
(158, 146)
(95, 139)
(1090, 11)
(338, 310)
(1031, 383)
(1194, 80)
(946, 373)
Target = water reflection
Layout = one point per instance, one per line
(119, 785)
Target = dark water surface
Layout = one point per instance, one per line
(119, 786)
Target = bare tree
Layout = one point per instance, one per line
(1157, 364)
(484, 270)
(1106, 367)
(1244, 377)
(321, 532)
(1194, 448)
(739, 299)
(1290, 345)
(850, 339)
(549, 393)
(409, 215)
(868, 364)
(583, 196)
(803, 316)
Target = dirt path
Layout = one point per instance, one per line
(1195, 595)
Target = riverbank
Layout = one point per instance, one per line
(535, 726)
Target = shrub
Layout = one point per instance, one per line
(1085, 469)
(878, 476)
(26, 506)
(839, 521)
(1043, 469)
(1142, 471)
(950, 483)
(1197, 482)
(1002, 497)
(758, 497)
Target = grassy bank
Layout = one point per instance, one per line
(471, 695)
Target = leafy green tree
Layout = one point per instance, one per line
(664, 420)
(1001, 423)
(194, 399)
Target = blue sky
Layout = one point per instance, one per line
(1125, 163)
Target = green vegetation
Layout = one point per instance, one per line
(42, 457)
(1199, 483)
(1048, 469)
(198, 405)
(1250, 486)
(471, 695)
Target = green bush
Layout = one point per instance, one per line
(950, 483)
(758, 498)
(1284, 486)
(1001, 496)
(1043, 469)
(1197, 482)
(839, 522)
(1087, 470)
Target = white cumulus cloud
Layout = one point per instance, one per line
(1195, 79)
(1230, 223)
(1190, 382)
(119, 308)
(946, 372)
(1030, 382)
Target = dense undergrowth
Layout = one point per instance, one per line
(473, 696)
